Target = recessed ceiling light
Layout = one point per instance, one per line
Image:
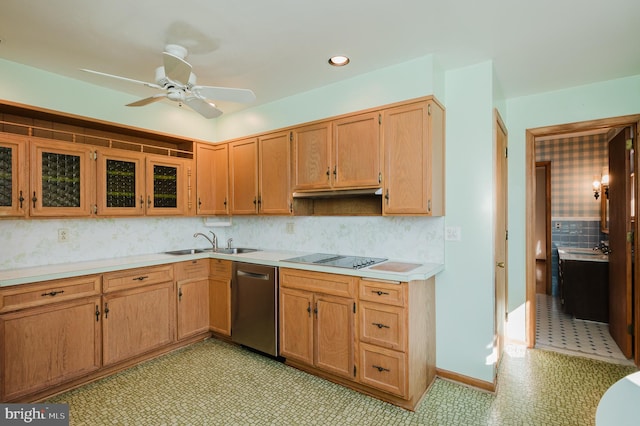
(338, 61)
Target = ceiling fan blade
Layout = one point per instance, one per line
(225, 94)
(176, 68)
(130, 80)
(149, 100)
(203, 107)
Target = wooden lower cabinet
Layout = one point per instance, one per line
(316, 328)
(220, 296)
(47, 345)
(137, 321)
(377, 337)
(192, 281)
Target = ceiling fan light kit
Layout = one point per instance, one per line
(178, 81)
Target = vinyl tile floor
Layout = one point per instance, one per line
(217, 383)
(556, 330)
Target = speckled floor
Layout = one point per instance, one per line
(215, 383)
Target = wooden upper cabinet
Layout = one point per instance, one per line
(61, 179)
(243, 175)
(168, 186)
(413, 145)
(356, 151)
(120, 181)
(14, 192)
(212, 179)
(274, 173)
(312, 157)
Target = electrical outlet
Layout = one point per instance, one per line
(291, 228)
(63, 235)
(452, 233)
(558, 225)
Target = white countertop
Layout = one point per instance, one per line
(267, 257)
(582, 254)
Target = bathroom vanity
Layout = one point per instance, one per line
(584, 283)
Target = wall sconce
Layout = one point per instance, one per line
(601, 183)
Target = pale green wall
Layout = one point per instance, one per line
(464, 302)
(600, 100)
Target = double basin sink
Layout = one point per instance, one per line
(236, 250)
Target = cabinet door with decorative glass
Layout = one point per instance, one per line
(168, 186)
(13, 176)
(61, 183)
(120, 183)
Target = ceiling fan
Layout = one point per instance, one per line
(179, 85)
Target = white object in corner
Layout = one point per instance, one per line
(217, 221)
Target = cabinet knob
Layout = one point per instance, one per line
(21, 199)
(500, 264)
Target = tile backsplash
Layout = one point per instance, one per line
(26, 243)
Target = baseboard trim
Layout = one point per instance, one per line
(466, 380)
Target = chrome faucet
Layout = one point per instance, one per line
(213, 241)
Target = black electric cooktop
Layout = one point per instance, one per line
(336, 260)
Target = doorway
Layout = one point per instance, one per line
(532, 242)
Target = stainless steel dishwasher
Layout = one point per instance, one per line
(254, 307)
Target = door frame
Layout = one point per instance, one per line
(547, 223)
(501, 242)
(530, 188)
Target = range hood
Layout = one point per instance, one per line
(338, 193)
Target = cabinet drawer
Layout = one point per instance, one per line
(191, 269)
(137, 277)
(319, 282)
(383, 325)
(382, 292)
(220, 268)
(37, 294)
(383, 369)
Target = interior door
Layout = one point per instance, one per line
(500, 237)
(620, 280)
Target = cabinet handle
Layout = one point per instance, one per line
(106, 310)
(377, 324)
(142, 278)
(328, 174)
(255, 201)
(380, 369)
(379, 293)
(335, 172)
(97, 313)
(386, 196)
(180, 294)
(309, 309)
(225, 203)
(21, 199)
(148, 201)
(315, 310)
(141, 202)
(199, 203)
(52, 293)
(34, 199)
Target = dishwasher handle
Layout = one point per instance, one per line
(253, 275)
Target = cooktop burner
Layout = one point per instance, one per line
(335, 260)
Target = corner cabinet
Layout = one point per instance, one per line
(51, 333)
(61, 177)
(212, 179)
(413, 147)
(14, 190)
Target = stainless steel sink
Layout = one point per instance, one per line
(236, 250)
(185, 251)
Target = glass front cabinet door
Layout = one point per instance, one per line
(60, 179)
(120, 183)
(13, 176)
(168, 186)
